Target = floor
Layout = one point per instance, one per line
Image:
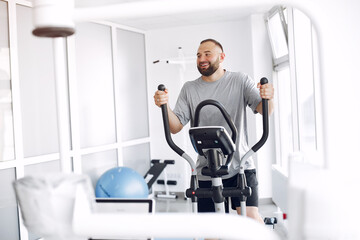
(266, 209)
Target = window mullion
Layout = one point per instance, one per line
(294, 99)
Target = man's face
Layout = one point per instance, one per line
(209, 57)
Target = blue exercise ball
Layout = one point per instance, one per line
(121, 182)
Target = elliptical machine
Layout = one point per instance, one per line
(215, 144)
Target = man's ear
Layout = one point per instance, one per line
(222, 57)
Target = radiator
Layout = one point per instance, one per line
(279, 187)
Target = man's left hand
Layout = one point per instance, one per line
(266, 91)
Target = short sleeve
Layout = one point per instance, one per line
(252, 95)
(182, 107)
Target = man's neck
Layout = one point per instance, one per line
(215, 76)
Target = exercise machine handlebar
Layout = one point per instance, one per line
(169, 140)
(261, 142)
(265, 114)
(222, 110)
(173, 146)
(228, 120)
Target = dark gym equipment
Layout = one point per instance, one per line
(154, 172)
(215, 144)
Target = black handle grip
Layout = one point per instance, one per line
(263, 81)
(165, 116)
(161, 87)
(265, 114)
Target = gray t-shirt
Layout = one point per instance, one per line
(235, 91)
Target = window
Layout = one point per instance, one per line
(38, 104)
(104, 133)
(284, 120)
(278, 33)
(6, 114)
(303, 43)
(95, 85)
(293, 43)
(277, 29)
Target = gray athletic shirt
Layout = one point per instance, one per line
(235, 91)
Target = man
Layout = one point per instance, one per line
(234, 91)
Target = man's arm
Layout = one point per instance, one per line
(266, 92)
(174, 122)
(271, 107)
(160, 98)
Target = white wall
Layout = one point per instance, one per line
(262, 67)
(236, 38)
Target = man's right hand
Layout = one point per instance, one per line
(161, 97)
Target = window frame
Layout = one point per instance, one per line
(290, 62)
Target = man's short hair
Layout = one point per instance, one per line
(213, 41)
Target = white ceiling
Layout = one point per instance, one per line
(177, 19)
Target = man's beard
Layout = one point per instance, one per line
(210, 70)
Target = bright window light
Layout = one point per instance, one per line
(285, 115)
(305, 81)
(277, 35)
